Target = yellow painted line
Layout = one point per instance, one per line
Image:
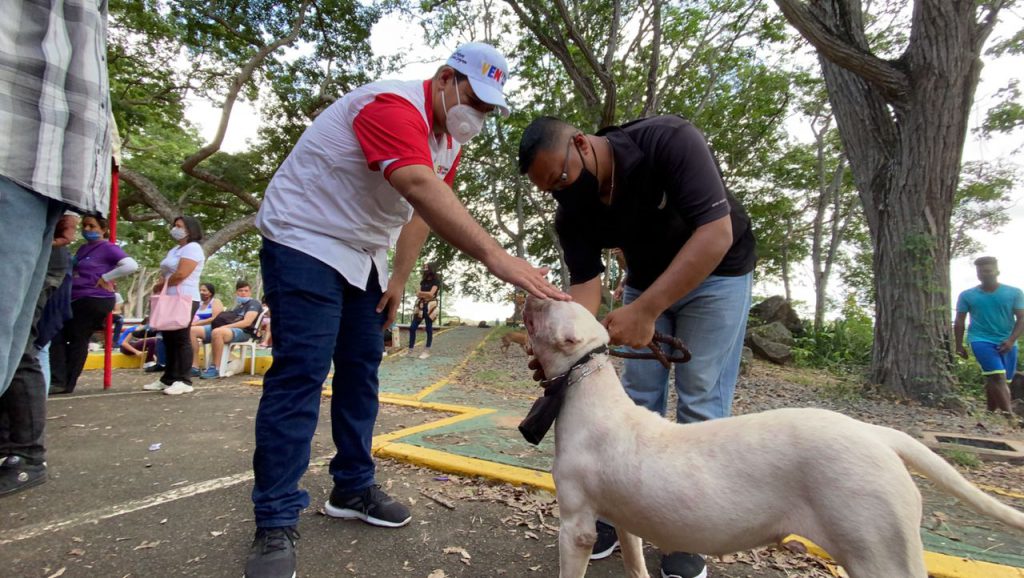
(387, 438)
(409, 401)
(1001, 491)
(461, 465)
(939, 565)
(455, 371)
(946, 566)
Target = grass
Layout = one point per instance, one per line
(963, 458)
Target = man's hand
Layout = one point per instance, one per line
(538, 371)
(64, 233)
(630, 325)
(525, 276)
(105, 284)
(389, 300)
(961, 351)
(1005, 346)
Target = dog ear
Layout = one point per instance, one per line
(567, 335)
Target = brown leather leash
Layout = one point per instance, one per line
(682, 354)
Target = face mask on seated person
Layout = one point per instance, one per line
(242, 300)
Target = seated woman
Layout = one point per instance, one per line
(209, 308)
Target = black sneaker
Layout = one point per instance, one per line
(154, 368)
(683, 565)
(16, 475)
(607, 541)
(371, 505)
(272, 554)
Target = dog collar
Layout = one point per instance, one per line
(544, 411)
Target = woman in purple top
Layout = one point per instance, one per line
(95, 266)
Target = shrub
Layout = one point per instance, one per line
(841, 346)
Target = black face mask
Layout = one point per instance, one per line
(582, 195)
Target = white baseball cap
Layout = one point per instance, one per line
(487, 72)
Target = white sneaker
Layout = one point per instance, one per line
(425, 355)
(178, 388)
(155, 386)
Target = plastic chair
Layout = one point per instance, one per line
(225, 359)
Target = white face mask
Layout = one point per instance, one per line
(178, 234)
(463, 121)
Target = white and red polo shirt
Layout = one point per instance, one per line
(331, 198)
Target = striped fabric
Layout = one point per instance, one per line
(54, 100)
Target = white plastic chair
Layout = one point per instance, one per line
(223, 369)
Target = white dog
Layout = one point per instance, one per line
(730, 484)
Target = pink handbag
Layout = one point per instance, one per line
(170, 312)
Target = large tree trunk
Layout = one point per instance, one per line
(903, 124)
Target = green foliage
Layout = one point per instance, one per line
(963, 458)
(981, 204)
(288, 58)
(968, 376)
(842, 346)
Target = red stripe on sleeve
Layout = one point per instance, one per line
(389, 128)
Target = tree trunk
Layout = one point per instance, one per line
(903, 124)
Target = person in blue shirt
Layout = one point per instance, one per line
(997, 321)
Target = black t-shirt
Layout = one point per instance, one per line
(241, 310)
(428, 284)
(667, 185)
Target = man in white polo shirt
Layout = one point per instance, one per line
(373, 169)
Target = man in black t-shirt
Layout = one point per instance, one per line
(240, 326)
(652, 188)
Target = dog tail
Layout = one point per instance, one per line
(919, 457)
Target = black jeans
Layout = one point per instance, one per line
(178, 346)
(70, 349)
(23, 405)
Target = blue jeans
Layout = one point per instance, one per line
(424, 315)
(27, 221)
(711, 320)
(318, 316)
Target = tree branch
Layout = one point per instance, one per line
(228, 233)
(243, 76)
(651, 104)
(847, 48)
(150, 194)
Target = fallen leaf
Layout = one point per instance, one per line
(457, 550)
(215, 533)
(146, 545)
(76, 552)
(60, 573)
(439, 573)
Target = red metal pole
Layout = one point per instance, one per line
(108, 341)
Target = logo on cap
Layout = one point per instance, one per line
(493, 72)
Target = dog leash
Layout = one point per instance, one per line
(675, 343)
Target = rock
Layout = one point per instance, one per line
(770, 350)
(1017, 386)
(483, 325)
(777, 309)
(746, 360)
(1018, 406)
(956, 404)
(774, 331)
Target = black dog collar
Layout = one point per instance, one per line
(544, 411)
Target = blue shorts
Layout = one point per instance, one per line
(237, 335)
(993, 362)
